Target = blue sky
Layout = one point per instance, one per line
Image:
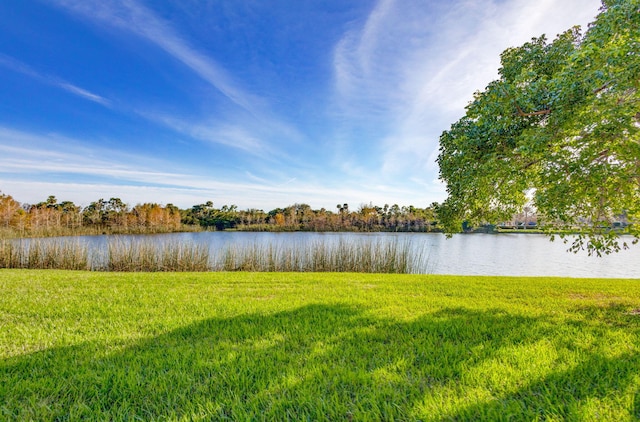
(260, 104)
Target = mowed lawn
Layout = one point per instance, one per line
(312, 346)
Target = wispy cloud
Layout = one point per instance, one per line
(414, 67)
(132, 16)
(33, 165)
(402, 74)
(220, 192)
(249, 128)
(215, 132)
(18, 66)
(212, 131)
(83, 93)
(31, 154)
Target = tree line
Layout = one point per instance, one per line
(51, 217)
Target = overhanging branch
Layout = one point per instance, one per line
(532, 113)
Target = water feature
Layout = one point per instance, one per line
(470, 254)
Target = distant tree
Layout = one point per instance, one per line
(71, 216)
(207, 216)
(199, 214)
(9, 208)
(51, 202)
(558, 131)
(116, 213)
(173, 218)
(95, 213)
(226, 218)
(369, 217)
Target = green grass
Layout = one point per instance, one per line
(310, 346)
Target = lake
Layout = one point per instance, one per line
(465, 254)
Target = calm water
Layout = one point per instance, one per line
(471, 254)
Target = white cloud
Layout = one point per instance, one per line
(401, 77)
(17, 66)
(33, 166)
(212, 131)
(30, 155)
(129, 15)
(244, 195)
(83, 93)
(413, 66)
(248, 128)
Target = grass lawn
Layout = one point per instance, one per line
(330, 346)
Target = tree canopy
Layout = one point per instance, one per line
(558, 131)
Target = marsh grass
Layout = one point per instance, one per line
(62, 254)
(323, 347)
(390, 257)
(127, 256)
(148, 255)
(69, 254)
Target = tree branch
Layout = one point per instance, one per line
(533, 113)
(603, 87)
(530, 163)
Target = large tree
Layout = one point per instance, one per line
(558, 131)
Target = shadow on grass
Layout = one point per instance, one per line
(318, 362)
(574, 394)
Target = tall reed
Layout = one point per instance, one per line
(341, 256)
(125, 255)
(152, 256)
(61, 254)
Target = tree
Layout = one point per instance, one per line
(558, 131)
(71, 216)
(8, 210)
(95, 213)
(116, 213)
